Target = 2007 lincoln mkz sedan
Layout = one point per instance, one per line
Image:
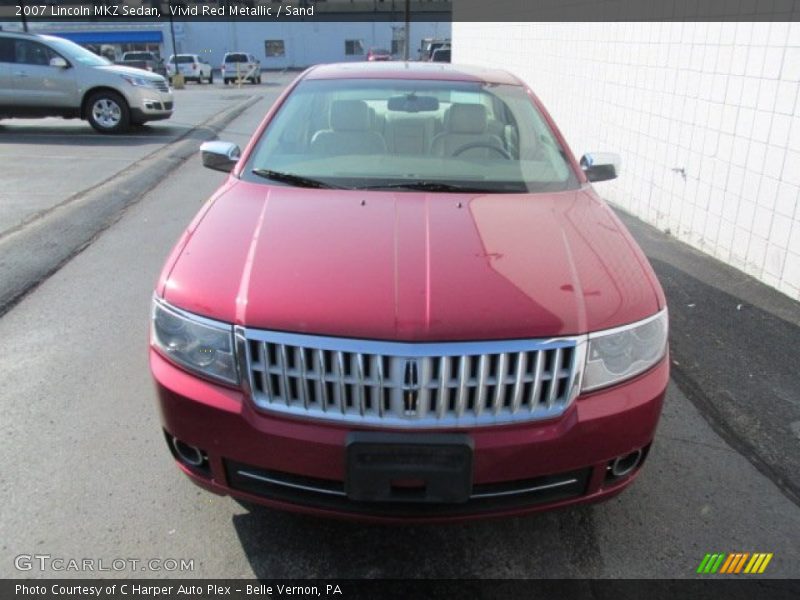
(408, 302)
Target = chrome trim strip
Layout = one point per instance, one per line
(408, 349)
(555, 372)
(613, 330)
(463, 374)
(310, 488)
(297, 486)
(379, 364)
(284, 375)
(341, 385)
(444, 389)
(192, 316)
(522, 365)
(479, 380)
(500, 382)
(483, 372)
(538, 371)
(535, 488)
(304, 377)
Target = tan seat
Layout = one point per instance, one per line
(466, 124)
(350, 131)
(409, 135)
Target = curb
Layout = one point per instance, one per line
(34, 252)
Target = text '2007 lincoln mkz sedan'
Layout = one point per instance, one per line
(407, 301)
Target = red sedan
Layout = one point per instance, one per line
(407, 301)
(378, 54)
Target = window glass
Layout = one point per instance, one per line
(274, 48)
(74, 52)
(353, 47)
(32, 53)
(363, 133)
(6, 50)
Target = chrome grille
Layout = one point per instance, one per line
(407, 384)
(162, 85)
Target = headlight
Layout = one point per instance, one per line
(139, 81)
(621, 353)
(195, 343)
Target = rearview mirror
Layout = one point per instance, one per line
(59, 62)
(220, 156)
(600, 166)
(412, 103)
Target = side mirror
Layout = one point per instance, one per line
(220, 156)
(59, 62)
(600, 166)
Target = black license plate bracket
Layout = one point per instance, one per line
(400, 467)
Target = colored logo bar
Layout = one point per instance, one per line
(735, 563)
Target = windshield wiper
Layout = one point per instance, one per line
(296, 180)
(427, 186)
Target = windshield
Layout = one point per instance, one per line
(138, 56)
(77, 53)
(236, 58)
(182, 59)
(436, 135)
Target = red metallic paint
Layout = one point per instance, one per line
(594, 430)
(411, 267)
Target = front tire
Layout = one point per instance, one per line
(108, 112)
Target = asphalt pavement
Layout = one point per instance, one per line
(86, 473)
(35, 153)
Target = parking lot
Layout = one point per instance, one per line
(69, 152)
(87, 474)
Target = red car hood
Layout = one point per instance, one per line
(410, 266)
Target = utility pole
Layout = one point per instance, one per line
(24, 18)
(407, 42)
(177, 78)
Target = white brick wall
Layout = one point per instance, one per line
(717, 100)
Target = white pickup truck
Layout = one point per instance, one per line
(192, 66)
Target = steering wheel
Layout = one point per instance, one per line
(458, 151)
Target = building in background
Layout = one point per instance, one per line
(704, 115)
(341, 30)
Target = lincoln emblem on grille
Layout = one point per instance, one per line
(411, 387)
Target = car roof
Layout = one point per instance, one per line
(5, 32)
(411, 70)
(29, 35)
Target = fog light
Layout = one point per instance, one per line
(624, 465)
(189, 455)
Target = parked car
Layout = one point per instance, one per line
(149, 61)
(429, 45)
(47, 76)
(240, 65)
(192, 66)
(378, 54)
(407, 301)
(441, 54)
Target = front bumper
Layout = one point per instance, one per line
(149, 104)
(308, 457)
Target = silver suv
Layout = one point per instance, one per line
(240, 66)
(46, 76)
